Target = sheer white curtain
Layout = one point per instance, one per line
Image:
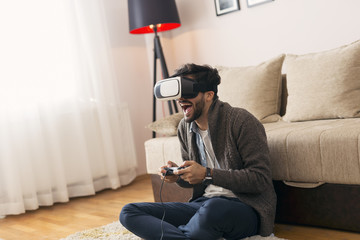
(63, 130)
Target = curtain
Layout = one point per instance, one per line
(63, 130)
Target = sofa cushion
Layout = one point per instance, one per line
(168, 125)
(315, 151)
(324, 85)
(255, 88)
(325, 151)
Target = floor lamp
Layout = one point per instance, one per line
(153, 16)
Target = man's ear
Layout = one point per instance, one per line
(209, 95)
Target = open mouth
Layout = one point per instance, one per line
(186, 107)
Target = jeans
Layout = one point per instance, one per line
(204, 218)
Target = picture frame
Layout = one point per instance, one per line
(253, 3)
(226, 6)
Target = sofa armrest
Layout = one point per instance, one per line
(159, 151)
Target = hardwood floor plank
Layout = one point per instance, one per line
(63, 219)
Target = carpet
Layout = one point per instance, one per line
(115, 231)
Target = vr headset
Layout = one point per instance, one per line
(180, 87)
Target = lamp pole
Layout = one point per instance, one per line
(158, 54)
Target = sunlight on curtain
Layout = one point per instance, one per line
(63, 130)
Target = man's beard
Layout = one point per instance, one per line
(197, 110)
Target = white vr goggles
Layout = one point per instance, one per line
(180, 87)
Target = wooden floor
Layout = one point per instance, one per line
(63, 219)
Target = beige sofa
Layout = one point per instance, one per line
(310, 108)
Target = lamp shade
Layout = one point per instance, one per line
(145, 14)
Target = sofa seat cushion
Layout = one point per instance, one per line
(306, 152)
(315, 151)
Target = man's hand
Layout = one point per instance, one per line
(168, 178)
(193, 172)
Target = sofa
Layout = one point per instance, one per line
(310, 108)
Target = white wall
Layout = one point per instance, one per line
(253, 35)
(245, 37)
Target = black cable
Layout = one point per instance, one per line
(162, 203)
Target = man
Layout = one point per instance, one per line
(226, 162)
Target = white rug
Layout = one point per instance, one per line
(115, 231)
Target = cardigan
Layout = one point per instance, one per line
(240, 146)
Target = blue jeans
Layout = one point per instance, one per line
(204, 218)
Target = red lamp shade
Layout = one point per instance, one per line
(144, 15)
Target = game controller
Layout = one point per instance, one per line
(170, 171)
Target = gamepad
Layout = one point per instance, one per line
(170, 171)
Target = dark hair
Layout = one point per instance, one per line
(200, 73)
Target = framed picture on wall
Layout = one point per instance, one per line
(253, 3)
(226, 6)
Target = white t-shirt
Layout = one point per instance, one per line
(213, 190)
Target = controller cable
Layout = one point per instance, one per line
(162, 203)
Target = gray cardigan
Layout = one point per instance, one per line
(240, 146)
